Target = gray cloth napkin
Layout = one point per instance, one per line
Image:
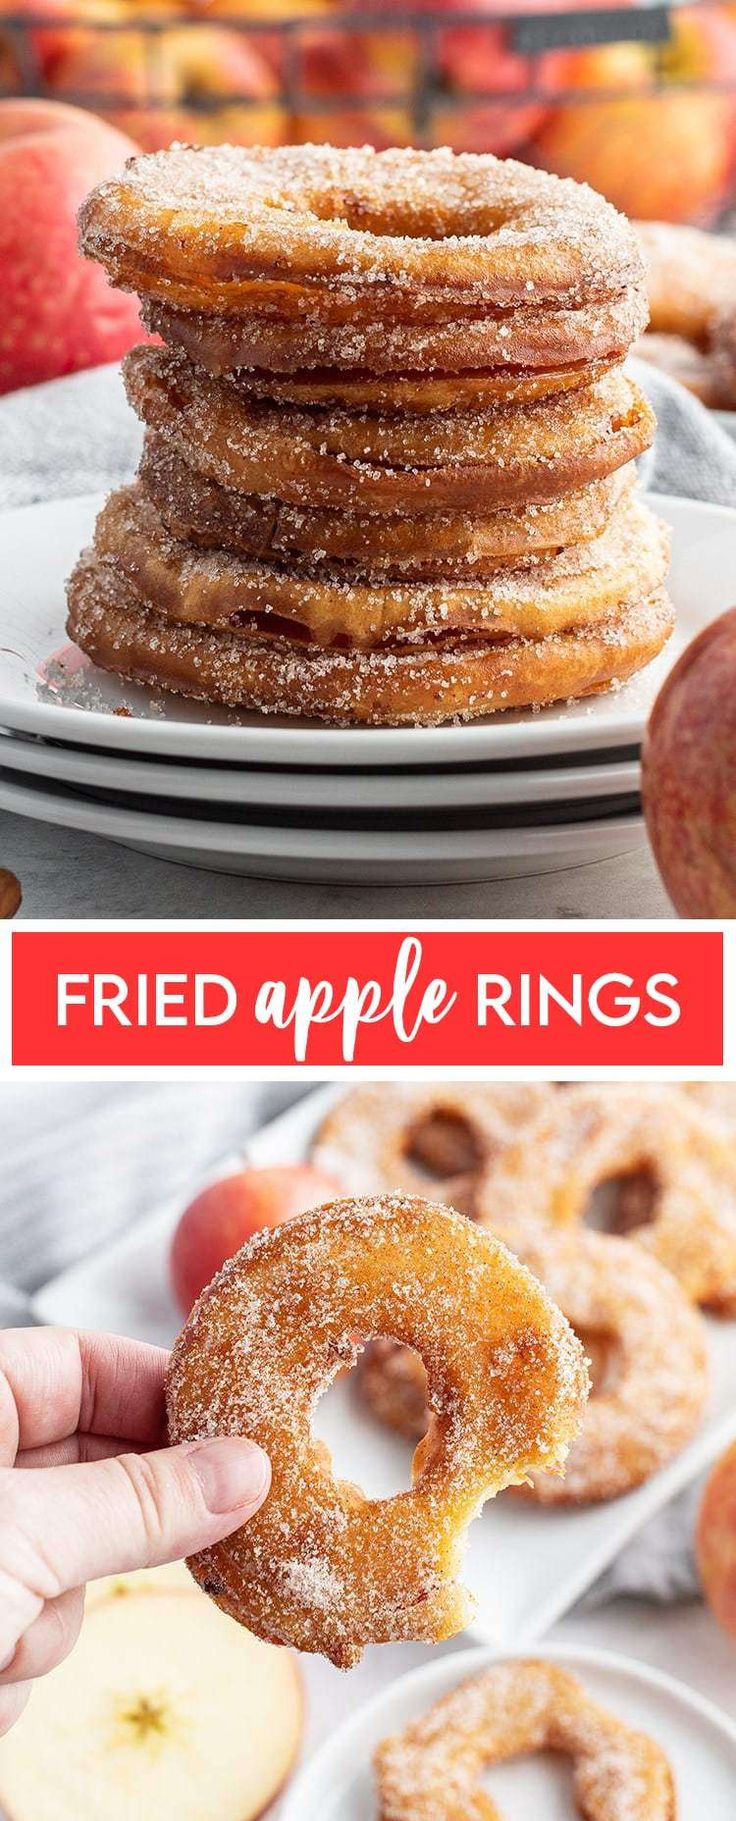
(78, 435)
(83, 1162)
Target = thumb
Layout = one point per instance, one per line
(67, 1525)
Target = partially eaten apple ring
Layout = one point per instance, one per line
(321, 1566)
(432, 1770)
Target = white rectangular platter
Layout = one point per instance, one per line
(527, 1566)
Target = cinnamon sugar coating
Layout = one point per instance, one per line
(408, 685)
(647, 1342)
(540, 341)
(197, 225)
(432, 1770)
(449, 460)
(351, 609)
(420, 1138)
(199, 511)
(590, 1136)
(321, 1566)
(390, 441)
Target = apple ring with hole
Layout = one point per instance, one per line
(647, 1348)
(526, 341)
(321, 1566)
(673, 1167)
(421, 1139)
(377, 229)
(581, 586)
(454, 460)
(199, 511)
(433, 1769)
(412, 686)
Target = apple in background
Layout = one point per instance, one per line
(220, 1220)
(479, 59)
(178, 68)
(689, 775)
(59, 311)
(715, 1541)
(660, 154)
(166, 1708)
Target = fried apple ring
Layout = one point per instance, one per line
(398, 392)
(580, 587)
(408, 686)
(454, 460)
(692, 367)
(690, 275)
(382, 230)
(542, 341)
(321, 1566)
(199, 511)
(591, 1136)
(420, 1138)
(723, 354)
(431, 1771)
(650, 1363)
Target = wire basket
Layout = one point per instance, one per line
(621, 95)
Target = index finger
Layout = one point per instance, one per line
(54, 1381)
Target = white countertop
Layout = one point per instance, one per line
(67, 875)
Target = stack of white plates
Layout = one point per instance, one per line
(291, 799)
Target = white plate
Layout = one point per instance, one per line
(459, 786)
(526, 1565)
(39, 544)
(308, 850)
(698, 1739)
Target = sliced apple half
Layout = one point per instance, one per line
(174, 1577)
(166, 1708)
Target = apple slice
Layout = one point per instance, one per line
(165, 1708)
(174, 1577)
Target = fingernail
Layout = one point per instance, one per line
(231, 1472)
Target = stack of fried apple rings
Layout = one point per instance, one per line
(389, 442)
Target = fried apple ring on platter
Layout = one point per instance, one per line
(198, 225)
(723, 355)
(591, 1137)
(199, 511)
(321, 1566)
(373, 463)
(690, 275)
(433, 1769)
(649, 1359)
(421, 1138)
(407, 686)
(692, 367)
(526, 339)
(580, 587)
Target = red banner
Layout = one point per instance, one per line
(376, 998)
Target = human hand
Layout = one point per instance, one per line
(80, 1497)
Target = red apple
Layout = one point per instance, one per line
(689, 775)
(660, 153)
(152, 85)
(715, 1541)
(59, 311)
(220, 1220)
